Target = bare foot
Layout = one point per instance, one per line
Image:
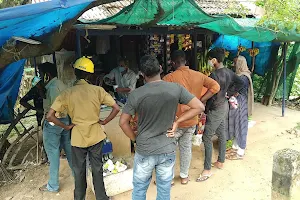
(218, 165)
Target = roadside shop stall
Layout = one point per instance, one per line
(143, 27)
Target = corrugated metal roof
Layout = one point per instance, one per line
(105, 11)
(38, 1)
(211, 7)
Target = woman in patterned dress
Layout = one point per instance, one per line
(238, 118)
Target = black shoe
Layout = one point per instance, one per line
(44, 161)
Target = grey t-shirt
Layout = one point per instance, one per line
(156, 104)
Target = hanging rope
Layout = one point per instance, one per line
(13, 50)
(86, 36)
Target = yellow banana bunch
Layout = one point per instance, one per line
(227, 54)
(253, 52)
(241, 48)
(256, 51)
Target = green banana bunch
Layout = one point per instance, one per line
(203, 67)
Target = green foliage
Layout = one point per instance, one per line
(298, 126)
(260, 3)
(229, 144)
(280, 14)
(296, 85)
(12, 3)
(258, 86)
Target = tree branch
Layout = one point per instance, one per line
(50, 42)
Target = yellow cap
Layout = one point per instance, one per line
(84, 64)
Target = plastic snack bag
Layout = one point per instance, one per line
(197, 140)
(201, 124)
(233, 102)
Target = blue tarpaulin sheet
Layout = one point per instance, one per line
(30, 21)
(262, 60)
(10, 80)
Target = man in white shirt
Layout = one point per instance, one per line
(123, 79)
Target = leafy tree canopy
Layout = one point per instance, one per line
(280, 14)
(11, 3)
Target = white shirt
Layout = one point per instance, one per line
(128, 80)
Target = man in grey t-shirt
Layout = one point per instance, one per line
(155, 103)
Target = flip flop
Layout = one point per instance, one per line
(231, 150)
(44, 189)
(229, 154)
(234, 157)
(203, 178)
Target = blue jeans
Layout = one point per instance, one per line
(142, 175)
(56, 138)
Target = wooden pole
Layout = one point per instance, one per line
(54, 58)
(284, 79)
(78, 45)
(165, 55)
(253, 58)
(37, 134)
(35, 66)
(195, 51)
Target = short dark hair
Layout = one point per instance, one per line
(48, 67)
(150, 66)
(218, 53)
(178, 56)
(81, 74)
(123, 59)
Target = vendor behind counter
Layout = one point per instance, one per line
(122, 79)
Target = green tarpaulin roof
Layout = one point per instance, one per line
(230, 26)
(161, 12)
(186, 13)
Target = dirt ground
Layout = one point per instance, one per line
(249, 179)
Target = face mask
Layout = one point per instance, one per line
(122, 69)
(210, 63)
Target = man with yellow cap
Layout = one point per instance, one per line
(83, 102)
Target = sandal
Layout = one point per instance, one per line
(234, 157)
(185, 181)
(203, 178)
(231, 150)
(45, 189)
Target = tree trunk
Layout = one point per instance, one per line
(273, 82)
(275, 87)
(50, 42)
